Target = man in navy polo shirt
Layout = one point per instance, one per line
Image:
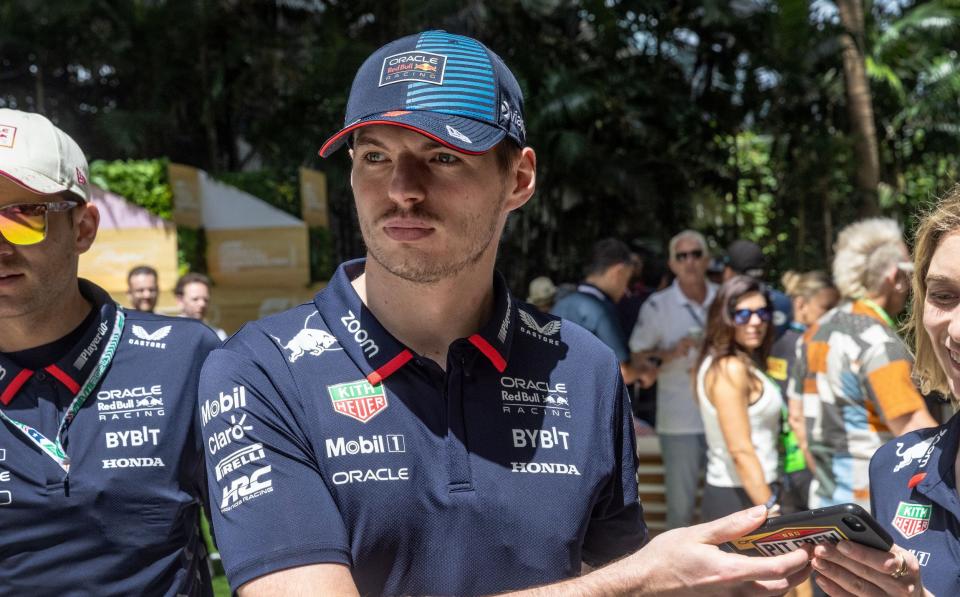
(415, 429)
(100, 458)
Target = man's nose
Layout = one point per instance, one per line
(407, 184)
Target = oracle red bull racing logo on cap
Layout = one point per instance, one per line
(413, 66)
(358, 399)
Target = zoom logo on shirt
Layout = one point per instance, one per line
(360, 335)
(246, 488)
(377, 444)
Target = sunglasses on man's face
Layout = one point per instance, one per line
(695, 254)
(26, 223)
(742, 316)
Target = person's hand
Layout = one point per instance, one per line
(849, 568)
(687, 561)
(682, 348)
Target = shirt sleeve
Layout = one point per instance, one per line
(616, 523)
(208, 344)
(886, 371)
(611, 334)
(646, 332)
(797, 371)
(271, 507)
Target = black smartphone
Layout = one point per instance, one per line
(787, 533)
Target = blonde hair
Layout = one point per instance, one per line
(805, 285)
(865, 253)
(942, 219)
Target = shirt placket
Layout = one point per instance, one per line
(459, 473)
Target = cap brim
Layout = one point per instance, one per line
(35, 182)
(461, 134)
(32, 181)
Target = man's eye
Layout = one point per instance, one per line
(373, 156)
(447, 158)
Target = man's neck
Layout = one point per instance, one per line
(428, 317)
(46, 325)
(603, 284)
(695, 290)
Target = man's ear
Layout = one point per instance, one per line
(86, 223)
(522, 179)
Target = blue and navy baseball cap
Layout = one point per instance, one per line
(450, 88)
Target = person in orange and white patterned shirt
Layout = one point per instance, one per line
(854, 371)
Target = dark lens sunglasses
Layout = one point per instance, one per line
(695, 254)
(742, 316)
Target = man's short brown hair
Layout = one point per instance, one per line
(190, 279)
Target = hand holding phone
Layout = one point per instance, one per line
(832, 524)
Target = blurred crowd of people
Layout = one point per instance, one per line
(765, 395)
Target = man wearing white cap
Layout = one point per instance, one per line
(100, 456)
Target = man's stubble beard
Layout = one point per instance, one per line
(425, 270)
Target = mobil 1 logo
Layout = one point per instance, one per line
(375, 444)
(226, 402)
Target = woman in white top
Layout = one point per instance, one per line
(740, 405)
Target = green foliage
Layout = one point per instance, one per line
(648, 116)
(143, 182)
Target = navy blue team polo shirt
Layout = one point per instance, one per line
(330, 441)
(913, 493)
(124, 521)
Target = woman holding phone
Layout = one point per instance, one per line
(740, 405)
(913, 478)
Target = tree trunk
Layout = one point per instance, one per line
(860, 107)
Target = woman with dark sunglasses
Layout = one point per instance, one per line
(740, 405)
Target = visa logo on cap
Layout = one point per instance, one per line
(413, 66)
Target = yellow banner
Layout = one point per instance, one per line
(259, 257)
(117, 251)
(187, 195)
(313, 198)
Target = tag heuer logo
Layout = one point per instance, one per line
(358, 399)
(912, 519)
(150, 339)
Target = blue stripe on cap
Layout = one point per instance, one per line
(459, 112)
(468, 89)
(453, 89)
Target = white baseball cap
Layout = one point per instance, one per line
(39, 157)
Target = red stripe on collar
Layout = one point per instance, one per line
(489, 351)
(390, 367)
(64, 378)
(15, 386)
